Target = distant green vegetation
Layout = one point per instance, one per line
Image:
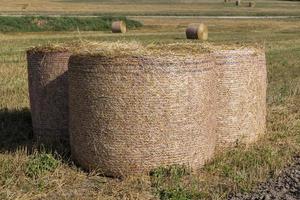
(42, 23)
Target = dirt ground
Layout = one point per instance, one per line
(286, 186)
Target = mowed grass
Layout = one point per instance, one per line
(36, 173)
(149, 7)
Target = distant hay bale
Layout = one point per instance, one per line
(238, 2)
(130, 113)
(48, 91)
(197, 31)
(242, 96)
(251, 4)
(118, 27)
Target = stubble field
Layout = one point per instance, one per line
(35, 173)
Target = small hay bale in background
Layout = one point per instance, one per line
(118, 27)
(197, 31)
(242, 96)
(238, 2)
(48, 92)
(130, 113)
(251, 4)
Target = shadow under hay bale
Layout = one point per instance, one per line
(15, 129)
(238, 3)
(242, 96)
(48, 91)
(197, 31)
(132, 113)
(118, 27)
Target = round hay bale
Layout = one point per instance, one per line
(197, 31)
(251, 4)
(242, 96)
(132, 113)
(48, 91)
(118, 27)
(238, 3)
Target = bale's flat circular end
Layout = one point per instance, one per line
(118, 27)
(197, 31)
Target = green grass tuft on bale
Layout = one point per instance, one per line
(43, 23)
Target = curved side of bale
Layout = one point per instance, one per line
(118, 27)
(48, 91)
(197, 31)
(242, 96)
(130, 114)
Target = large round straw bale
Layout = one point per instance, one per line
(238, 2)
(118, 27)
(242, 96)
(197, 31)
(251, 4)
(132, 113)
(48, 91)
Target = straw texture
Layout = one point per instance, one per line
(242, 96)
(118, 27)
(130, 114)
(48, 91)
(197, 31)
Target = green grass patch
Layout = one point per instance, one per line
(39, 164)
(43, 23)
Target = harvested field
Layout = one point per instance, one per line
(36, 174)
(165, 7)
